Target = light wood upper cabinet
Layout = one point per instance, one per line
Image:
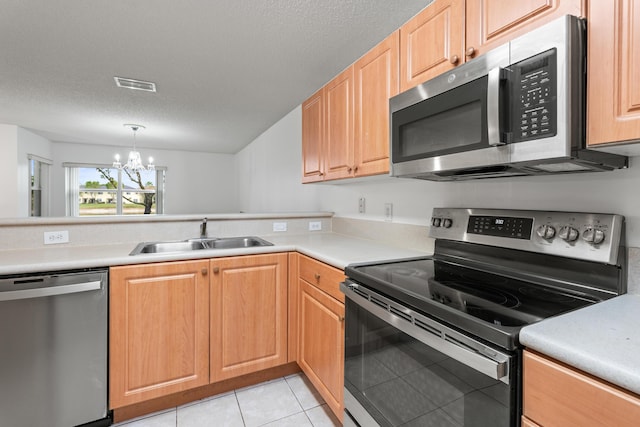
(613, 88)
(376, 80)
(448, 33)
(352, 132)
(321, 330)
(557, 395)
(248, 314)
(490, 23)
(431, 42)
(158, 330)
(312, 138)
(338, 144)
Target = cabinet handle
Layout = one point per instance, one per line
(470, 52)
(216, 270)
(317, 277)
(349, 169)
(341, 319)
(205, 271)
(355, 169)
(454, 59)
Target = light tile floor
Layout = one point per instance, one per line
(288, 401)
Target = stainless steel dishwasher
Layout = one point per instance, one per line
(53, 349)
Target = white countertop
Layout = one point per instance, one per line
(334, 249)
(602, 339)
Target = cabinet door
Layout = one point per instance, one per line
(376, 80)
(312, 137)
(321, 344)
(613, 93)
(248, 314)
(158, 330)
(557, 395)
(431, 42)
(338, 149)
(491, 23)
(526, 422)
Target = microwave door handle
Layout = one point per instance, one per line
(493, 108)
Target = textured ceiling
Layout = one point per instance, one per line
(225, 70)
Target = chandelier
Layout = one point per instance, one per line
(134, 163)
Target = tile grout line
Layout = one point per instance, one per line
(235, 394)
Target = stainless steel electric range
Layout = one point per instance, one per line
(434, 341)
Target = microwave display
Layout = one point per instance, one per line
(535, 95)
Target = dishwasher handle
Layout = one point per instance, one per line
(50, 291)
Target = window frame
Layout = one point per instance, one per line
(72, 186)
(38, 175)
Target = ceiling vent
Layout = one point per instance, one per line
(135, 84)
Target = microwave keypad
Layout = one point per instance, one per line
(535, 87)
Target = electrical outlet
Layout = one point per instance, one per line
(56, 237)
(315, 225)
(279, 226)
(388, 211)
(361, 207)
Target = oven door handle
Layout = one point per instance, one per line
(444, 343)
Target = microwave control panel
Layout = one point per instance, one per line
(534, 91)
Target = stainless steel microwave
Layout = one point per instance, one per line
(517, 110)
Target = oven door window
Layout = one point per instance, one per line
(451, 122)
(400, 381)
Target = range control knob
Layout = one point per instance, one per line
(569, 234)
(435, 222)
(446, 223)
(546, 232)
(593, 236)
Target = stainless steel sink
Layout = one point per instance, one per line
(199, 244)
(236, 242)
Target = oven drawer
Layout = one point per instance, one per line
(557, 395)
(322, 276)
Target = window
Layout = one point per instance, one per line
(38, 185)
(104, 190)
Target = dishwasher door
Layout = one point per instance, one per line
(53, 349)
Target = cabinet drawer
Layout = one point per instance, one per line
(557, 395)
(322, 276)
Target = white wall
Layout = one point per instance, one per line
(269, 171)
(9, 200)
(195, 182)
(413, 200)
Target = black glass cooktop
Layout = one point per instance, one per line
(502, 302)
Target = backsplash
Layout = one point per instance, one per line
(28, 234)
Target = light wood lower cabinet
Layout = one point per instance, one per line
(158, 330)
(558, 395)
(526, 422)
(321, 330)
(248, 314)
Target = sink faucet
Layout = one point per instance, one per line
(203, 229)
